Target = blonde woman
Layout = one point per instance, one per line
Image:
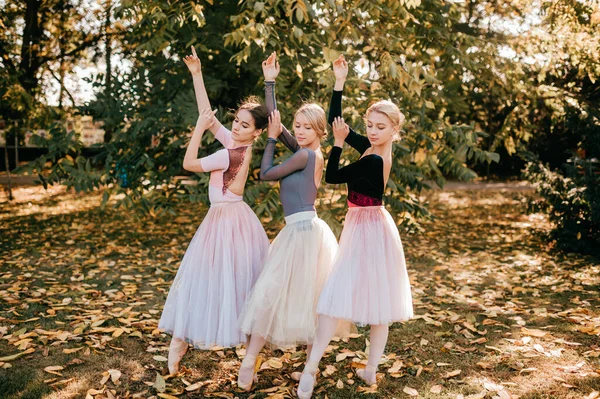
(281, 309)
(369, 284)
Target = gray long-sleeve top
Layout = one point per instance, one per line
(298, 191)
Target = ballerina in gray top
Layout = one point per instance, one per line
(281, 307)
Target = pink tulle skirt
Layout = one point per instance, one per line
(369, 283)
(218, 270)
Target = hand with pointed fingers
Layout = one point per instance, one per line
(206, 119)
(340, 131)
(193, 62)
(340, 68)
(275, 128)
(271, 68)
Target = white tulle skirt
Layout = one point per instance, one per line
(217, 272)
(282, 304)
(369, 283)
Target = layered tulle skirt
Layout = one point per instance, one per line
(218, 270)
(282, 304)
(369, 283)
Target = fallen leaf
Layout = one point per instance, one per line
(396, 367)
(343, 355)
(410, 391)
(159, 358)
(435, 389)
(329, 370)
(528, 370)
(114, 376)
(16, 355)
(54, 370)
(452, 374)
(275, 363)
(160, 384)
(72, 350)
(533, 332)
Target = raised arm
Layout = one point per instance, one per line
(193, 64)
(297, 161)
(191, 162)
(286, 137)
(270, 72)
(333, 173)
(340, 70)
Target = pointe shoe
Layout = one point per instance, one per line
(249, 361)
(177, 349)
(310, 373)
(368, 375)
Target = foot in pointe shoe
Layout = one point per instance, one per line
(307, 381)
(177, 349)
(248, 367)
(368, 375)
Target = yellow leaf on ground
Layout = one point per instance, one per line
(533, 332)
(329, 370)
(343, 355)
(275, 363)
(160, 384)
(339, 384)
(435, 389)
(114, 376)
(452, 374)
(16, 355)
(396, 367)
(54, 370)
(195, 387)
(167, 396)
(72, 350)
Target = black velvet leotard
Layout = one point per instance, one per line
(365, 176)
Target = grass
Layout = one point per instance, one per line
(83, 290)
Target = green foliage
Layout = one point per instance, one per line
(409, 52)
(571, 195)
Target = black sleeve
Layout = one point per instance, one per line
(298, 161)
(285, 137)
(358, 142)
(335, 175)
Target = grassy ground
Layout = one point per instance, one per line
(499, 313)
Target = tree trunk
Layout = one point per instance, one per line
(108, 54)
(7, 164)
(30, 49)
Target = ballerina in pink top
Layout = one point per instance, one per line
(226, 254)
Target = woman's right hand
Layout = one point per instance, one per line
(206, 119)
(275, 128)
(340, 131)
(340, 68)
(271, 68)
(193, 62)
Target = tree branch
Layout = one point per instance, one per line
(63, 85)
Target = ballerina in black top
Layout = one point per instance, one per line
(369, 283)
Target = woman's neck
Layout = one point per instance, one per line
(383, 150)
(238, 143)
(315, 145)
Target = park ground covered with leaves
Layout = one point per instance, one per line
(499, 312)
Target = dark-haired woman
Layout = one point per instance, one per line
(225, 256)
